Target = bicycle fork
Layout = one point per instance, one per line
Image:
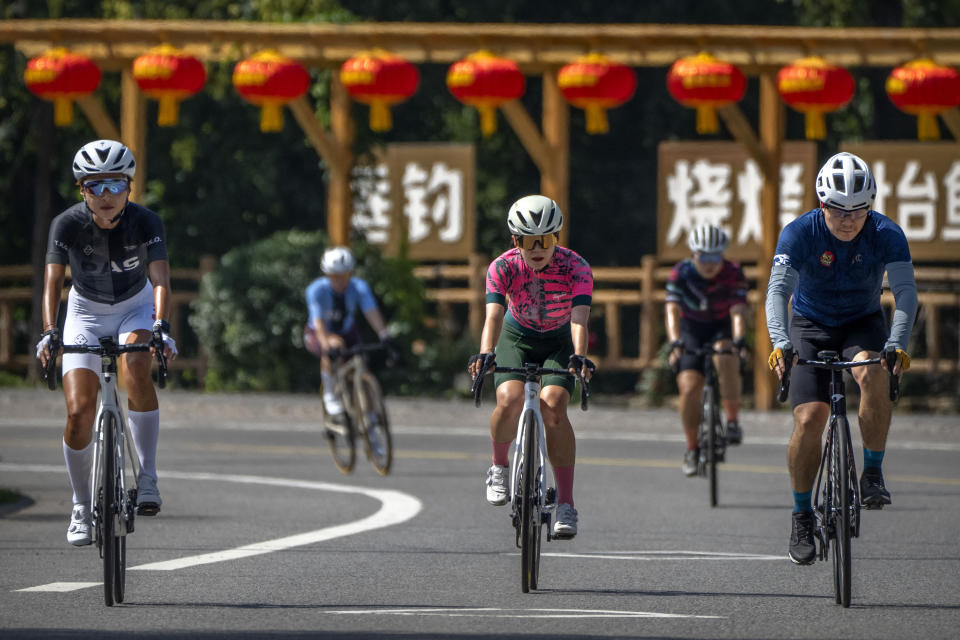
(545, 496)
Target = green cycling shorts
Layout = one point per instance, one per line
(552, 349)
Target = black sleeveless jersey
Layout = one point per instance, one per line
(107, 265)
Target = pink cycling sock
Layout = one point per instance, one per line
(564, 477)
(501, 452)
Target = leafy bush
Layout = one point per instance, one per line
(251, 313)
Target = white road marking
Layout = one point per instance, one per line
(490, 612)
(62, 587)
(396, 507)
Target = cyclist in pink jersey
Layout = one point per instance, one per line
(549, 289)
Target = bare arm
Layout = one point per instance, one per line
(375, 319)
(673, 315)
(492, 325)
(160, 277)
(53, 278)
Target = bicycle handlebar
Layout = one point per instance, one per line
(533, 370)
(889, 355)
(107, 348)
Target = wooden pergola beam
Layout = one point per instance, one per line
(533, 46)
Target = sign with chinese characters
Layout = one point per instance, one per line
(918, 187)
(421, 195)
(718, 183)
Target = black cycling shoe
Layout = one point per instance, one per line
(734, 433)
(803, 550)
(873, 494)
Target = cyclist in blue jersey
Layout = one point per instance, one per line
(832, 260)
(332, 301)
(120, 275)
(706, 305)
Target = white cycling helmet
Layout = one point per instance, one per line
(337, 260)
(845, 182)
(103, 156)
(534, 216)
(707, 238)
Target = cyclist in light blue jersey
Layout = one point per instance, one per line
(333, 301)
(832, 260)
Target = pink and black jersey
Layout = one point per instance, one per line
(540, 301)
(705, 300)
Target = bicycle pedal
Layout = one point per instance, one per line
(148, 509)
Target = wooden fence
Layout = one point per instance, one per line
(627, 316)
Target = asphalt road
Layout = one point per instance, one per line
(261, 536)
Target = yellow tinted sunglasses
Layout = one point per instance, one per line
(529, 243)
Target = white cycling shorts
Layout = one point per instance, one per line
(88, 321)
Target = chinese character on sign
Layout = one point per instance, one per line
(917, 197)
(371, 202)
(433, 201)
(951, 181)
(699, 195)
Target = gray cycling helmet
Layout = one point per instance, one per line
(845, 182)
(707, 238)
(337, 260)
(103, 156)
(534, 216)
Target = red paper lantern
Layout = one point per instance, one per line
(924, 88)
(484, 81)
(813, 86)
(61, 76)
(380, 79)
(168, 75)
(594, 83)
(270, 80)
(705, 83)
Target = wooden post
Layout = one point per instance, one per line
(133, 129)
(771, 136)
(339, 198)
(477, 284)
(648, 312)
(555, 183)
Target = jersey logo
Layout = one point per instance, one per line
(858, 259)
(826, 258)
(87, 250)
(781, 258)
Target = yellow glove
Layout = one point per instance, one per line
(903, 359)
(777, 354)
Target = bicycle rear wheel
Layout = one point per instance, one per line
(113, 544)
(842, 562)
(341, 440)
(529, 515)
(376, 425)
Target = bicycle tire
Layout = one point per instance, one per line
(376, 424)
(341, 440)
(708, 431)
(842, 562)
(529, 550)
(108, 506)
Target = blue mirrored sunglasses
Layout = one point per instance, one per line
(113, 185)
(710, 258)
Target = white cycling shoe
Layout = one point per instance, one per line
(148, 496)
(79, 531)
(497, 490)
(565, 526)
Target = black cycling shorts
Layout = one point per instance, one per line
(551, 350)
(694, 335)
(809, 384)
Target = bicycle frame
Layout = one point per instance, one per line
(531, 403)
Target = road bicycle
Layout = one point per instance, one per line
(114, 504)
(365, 412)
(836, 497)
(534, 493)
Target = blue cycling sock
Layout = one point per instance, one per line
(802, 501)
(872, 458)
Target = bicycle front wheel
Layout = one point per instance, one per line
(842, 562)
(529, 512)
(113, 545)
(708, 438)
(376, 425)
(340, 438)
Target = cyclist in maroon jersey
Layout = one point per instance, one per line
(706, 304)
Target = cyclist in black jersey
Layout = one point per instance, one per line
(120, 275)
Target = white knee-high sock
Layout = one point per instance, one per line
(79, 465)
(145, 429)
